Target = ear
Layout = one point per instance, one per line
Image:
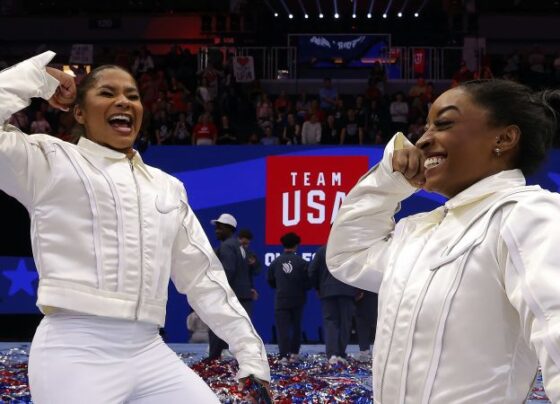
(508, 138)
(78, 114)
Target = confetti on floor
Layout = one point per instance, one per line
(308, 379)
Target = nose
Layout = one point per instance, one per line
(425, 140)
(122, 101)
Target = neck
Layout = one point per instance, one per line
(290, 250)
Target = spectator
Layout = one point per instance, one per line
(291, 133)
(269, 139)
(226, 134)
(163, 128)
(352, 130)
(463, 74)
(282, 103)
(399, 113)
(181, 133)
(373, 124)
(264, 111)
(327, 95)
(418, 89)
(177, 95)
(204, 132)
(330, 133)
(302, 107)
(40, 124)
(143, 62)
(311, 131)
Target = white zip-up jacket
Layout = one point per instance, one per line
(108, 232)
(470, 292)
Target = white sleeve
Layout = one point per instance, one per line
(531, 237)
(198, 273)
(26, 80)
(360, 236)
(23, 162)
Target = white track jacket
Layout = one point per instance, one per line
(108, 232)
(470, 292)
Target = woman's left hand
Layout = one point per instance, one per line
(257, 390)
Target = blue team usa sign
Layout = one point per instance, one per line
(270, 190)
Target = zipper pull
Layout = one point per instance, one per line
(131, 165)
(445, 210)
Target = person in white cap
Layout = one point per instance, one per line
(108, 232)
(232, 255)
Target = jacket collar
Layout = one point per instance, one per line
(502, 181)
(102, 151)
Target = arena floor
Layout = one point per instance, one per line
(309, 380)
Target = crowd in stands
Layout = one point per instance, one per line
(187, 106)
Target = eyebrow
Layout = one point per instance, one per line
(449, 107)
(444, 109)
(113, 88)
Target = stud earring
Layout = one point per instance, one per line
(498, 151)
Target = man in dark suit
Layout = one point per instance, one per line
(337, 305)
(233, 258)
(288, 275)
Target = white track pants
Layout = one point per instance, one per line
(85, 359)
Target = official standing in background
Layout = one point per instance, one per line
(233, 258)
(337, 305)
(366, 322)
(288, 275)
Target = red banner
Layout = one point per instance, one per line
(304, 194)
(419, 61)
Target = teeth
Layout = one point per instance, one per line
(433, 161)
(125, 118)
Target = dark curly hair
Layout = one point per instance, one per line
(290, 240)
(535, 113)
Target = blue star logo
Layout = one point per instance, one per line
(21, 279)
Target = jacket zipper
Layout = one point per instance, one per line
(141, 239)
(401, 392)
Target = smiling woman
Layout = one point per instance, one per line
(108, 105)
(468, 293)
(108, 233)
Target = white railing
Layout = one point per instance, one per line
(272, 63)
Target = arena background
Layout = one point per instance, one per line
(247, 181)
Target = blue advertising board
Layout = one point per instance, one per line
(270, 190)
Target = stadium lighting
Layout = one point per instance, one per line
(368, 15)
(336, 15)
(321, 15)
(384, 15)
(399, 15)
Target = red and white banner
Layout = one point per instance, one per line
(304, 194)
(244, 69)
(419, 61)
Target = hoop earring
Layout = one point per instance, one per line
(498, 152)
